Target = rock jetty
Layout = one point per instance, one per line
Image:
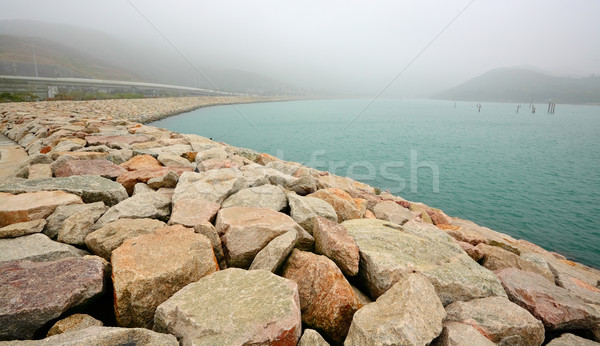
(116, 232)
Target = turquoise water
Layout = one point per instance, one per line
(533, 176)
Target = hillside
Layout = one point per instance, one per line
(53, 60)
(83, 51)
(523, 85)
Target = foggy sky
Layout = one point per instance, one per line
(349, 45)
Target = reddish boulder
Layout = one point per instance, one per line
(102, 168)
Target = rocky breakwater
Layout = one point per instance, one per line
(114, 232)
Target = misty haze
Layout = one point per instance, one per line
(300, 173)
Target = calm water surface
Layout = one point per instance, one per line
(533, 176)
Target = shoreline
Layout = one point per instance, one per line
(99, 160)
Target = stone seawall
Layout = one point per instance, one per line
(115, 232)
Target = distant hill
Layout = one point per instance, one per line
(86, 52)
(53, 60)
(523, 85)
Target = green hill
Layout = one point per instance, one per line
(523, 85)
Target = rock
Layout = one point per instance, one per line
(214, 185)
(73, 323)
(199, 215)
(32, 206)
(409, 313)
(245, 231)
(56, 220)
(141, 162)
(459, 334)
(495, 258)
(129, 179)
(474, 252)
(264, 196)
(78, 225)
(569, 339)
(499, 320)
(104, 336)
(35, 293)
(471, 233)
(116, 140)
(311, 337)
(169, 181)
(37, 248)
(212, 153)
(209, 164)
(326, 298)
(22, 228)
(555, 306)
(389, 252)
(272, 256)
(147, 205)
(392, 211)
(150, 268)
(233, 307)
(581, 289)
(103, 241)
(304, 210)
(173, 160)
(334, 241)
(90, 188)
(190, 212)
(103, 168)
(39, 171)
(345, 206)
(595, 330)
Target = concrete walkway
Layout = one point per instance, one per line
(11, 156)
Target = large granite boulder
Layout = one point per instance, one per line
(311, 337)
(460, 334)
(150, 268)
(34, 293)
(91, 188)
(392, 211)
(245, 231)
(555, 306)
(345, 206)
(264, 196)
(500, 320)
(409, 313)
(73, 323)
(580, 288)
(141, 162)
(334, 241)
(326, 298)
(495, 258)
(305, 209)
(145, 205)
(129, 179)
(79, 224)
(389, 252)
(116, 139)
(105, 240)
(233, 307)
(103, 336)
(214, 185)
(22, 228)
(37, 248)
(193, 211)
(272, 256)
(103, 168)
(32, 206)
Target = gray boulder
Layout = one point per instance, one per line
(233, 307)
(304, 210)
(389, 252)
(460, 334)
(145, 205)
(22, 228)
(37, 248)
(90, 188)
(501, 321)
(264, 196)
(79, 224)
(214, 185)
(409, 313)
(272, 256)
(35, 293)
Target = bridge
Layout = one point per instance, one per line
(45, 87)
